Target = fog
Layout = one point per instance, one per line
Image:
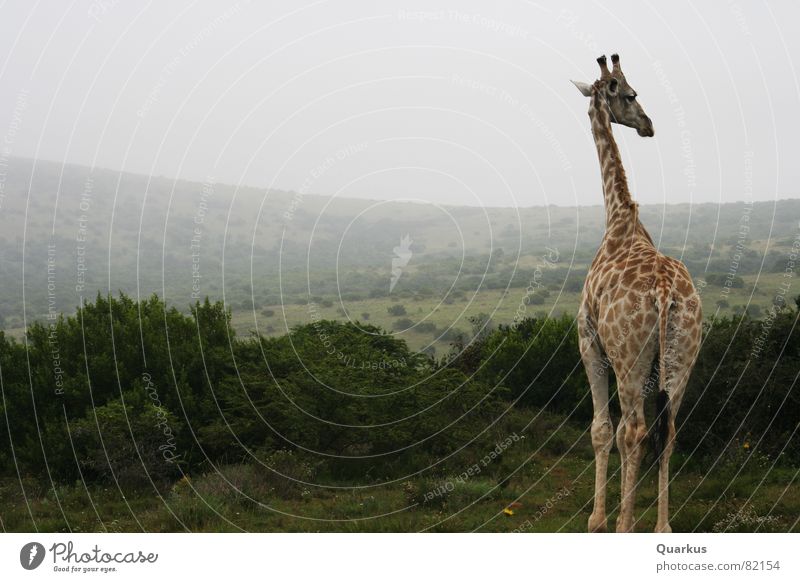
(449, 102)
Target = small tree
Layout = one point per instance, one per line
(396, 310)
(132, 442)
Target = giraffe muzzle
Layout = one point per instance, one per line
(646, 129)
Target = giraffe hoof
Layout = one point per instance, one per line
(622, 526)
(597, 524)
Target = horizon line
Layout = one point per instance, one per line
(350, 198)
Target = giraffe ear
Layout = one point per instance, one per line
(584, 88)
(612, 87)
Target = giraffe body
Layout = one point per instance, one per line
(640, 315)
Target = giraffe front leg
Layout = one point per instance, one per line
(602, 437)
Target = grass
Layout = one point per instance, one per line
(501, 305)
(548, 485)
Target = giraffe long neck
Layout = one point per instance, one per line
(621, 211)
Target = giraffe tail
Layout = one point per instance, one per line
(662, 421)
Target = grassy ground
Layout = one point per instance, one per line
(501, 305)
(546, 480)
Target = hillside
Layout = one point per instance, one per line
(69, 232)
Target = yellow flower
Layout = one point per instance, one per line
(508, 511)
(746, 445)
(182, 484)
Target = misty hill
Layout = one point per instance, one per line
(68, 231)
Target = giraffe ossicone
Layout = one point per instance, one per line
(639, 310)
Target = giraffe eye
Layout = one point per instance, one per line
(630, 98)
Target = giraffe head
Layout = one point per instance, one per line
(613, 87)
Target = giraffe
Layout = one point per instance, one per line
(639, 313)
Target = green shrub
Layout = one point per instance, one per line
(402, 324)
(132, 443)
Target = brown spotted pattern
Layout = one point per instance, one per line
(634, 300)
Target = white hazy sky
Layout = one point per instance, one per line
(453, 102)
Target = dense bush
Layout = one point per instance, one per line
(128, 443)
(110, 349)
(743, 388)
(538, 360)
(134, 391)
(362, 400)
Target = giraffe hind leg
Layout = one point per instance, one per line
(632, 436)
(683, 334)
(676, 382)
(623, 464)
